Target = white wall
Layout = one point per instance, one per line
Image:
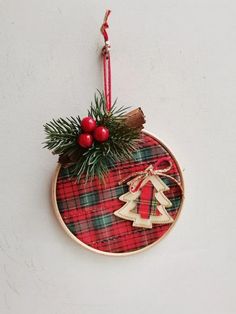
(176, 59)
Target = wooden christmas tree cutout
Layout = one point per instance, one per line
(142, 207)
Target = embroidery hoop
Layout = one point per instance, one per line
(73, 237)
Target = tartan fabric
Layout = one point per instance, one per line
(147, 202)
(87, 208)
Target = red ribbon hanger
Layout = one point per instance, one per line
(106, 62)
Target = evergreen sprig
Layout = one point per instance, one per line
(61, 139)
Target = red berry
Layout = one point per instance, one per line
(88, 124)
(101, 134)
(85, 140)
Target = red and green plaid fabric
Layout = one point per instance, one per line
(147, 202)
(87, 208)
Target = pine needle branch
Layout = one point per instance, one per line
(62, 134)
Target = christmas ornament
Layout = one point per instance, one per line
(117, 189)
(146, 201)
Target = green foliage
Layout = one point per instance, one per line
(61, 138)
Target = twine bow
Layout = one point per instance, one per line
(140, 176)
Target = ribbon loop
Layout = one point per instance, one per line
(105, 25)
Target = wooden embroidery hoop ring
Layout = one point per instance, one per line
(72, 236)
